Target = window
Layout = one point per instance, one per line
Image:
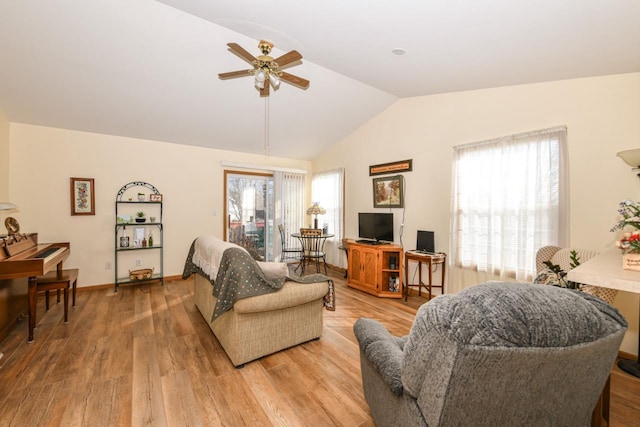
(249, 211)
(327, 188)
(509, 198)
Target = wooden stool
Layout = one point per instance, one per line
(63, 280)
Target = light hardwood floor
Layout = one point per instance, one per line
(145, 356)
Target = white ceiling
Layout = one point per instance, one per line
(148, 69)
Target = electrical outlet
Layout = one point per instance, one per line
(107, 265)
(138, 263)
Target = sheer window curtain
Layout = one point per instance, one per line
(327, 188)
(289, 208)
(509, 198)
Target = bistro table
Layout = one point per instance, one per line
(312, 249)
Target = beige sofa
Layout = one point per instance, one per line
(264, 324)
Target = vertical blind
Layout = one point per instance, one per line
(289, 207)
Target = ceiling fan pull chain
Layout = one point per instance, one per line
(266, 126)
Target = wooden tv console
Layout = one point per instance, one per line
(375, 269)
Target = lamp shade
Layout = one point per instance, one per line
(631, 157)
(274, 80)
(315, 209)
(4, 206)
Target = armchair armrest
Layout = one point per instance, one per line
(382, 350)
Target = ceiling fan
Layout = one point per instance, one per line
(266, 70)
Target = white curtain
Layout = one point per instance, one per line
(289, 207)
(509, 198)
(327, 188)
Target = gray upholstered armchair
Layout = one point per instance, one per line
(495, 354)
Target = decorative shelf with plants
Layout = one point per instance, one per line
(135, 231)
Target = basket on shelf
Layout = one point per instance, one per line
(141, 274)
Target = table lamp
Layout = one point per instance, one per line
(316, 210)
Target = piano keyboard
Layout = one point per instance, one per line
(49, 251)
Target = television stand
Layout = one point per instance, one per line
(375, 268)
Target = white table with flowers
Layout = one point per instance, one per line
(606, 270)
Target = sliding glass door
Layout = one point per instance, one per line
(249, 211)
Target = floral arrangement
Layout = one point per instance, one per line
(629, 214)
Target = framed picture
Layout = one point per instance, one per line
(83, 201)
(388, 192)
(393, 167)
(155, 197)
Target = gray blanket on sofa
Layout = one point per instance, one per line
(239, 276)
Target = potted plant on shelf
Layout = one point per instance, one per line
(140, 217)
(141, 197)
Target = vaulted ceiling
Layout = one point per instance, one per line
(148, 69)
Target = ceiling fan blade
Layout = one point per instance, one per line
(234, 74)
(265, 90)
(294, 80)
(241, 52)
(288, 58)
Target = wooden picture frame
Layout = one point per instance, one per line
(393, 167)
(388, 192)
(83, 201)
(155, 197)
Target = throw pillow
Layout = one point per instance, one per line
(547, 277)
(274, 270)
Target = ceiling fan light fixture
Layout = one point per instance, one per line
(260, 78)
(274, 80)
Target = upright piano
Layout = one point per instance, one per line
(22, 257)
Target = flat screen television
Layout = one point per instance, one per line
(375, 226)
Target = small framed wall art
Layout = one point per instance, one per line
(155, 197)
(82, 196)
(388, 192)
(393, 167)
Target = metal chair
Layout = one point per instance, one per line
(312, 248)
(288, 252)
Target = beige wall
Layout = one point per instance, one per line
(190, 179)
(4, 162)
(602, 115)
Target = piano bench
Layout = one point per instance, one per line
(66, 280)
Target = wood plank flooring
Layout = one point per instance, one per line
(145, 356)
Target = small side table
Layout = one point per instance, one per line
(430, 260)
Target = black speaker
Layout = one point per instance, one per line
(392, 262)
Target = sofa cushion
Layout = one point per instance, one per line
(274, 270)
(291, 294)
